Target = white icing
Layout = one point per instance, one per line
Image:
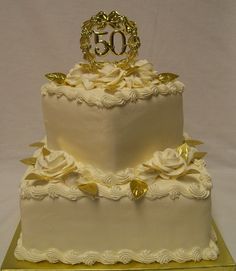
(54, 255)
(54, 166)
(111, 86)
(169, 163)
(164, 174)
(112, 77)
(125, 136)
(156, 190)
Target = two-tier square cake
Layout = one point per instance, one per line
(115, 179)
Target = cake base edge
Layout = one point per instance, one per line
(224, 260)
(124, 256)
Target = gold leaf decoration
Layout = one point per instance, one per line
(199, 155)
(131, 70)
(111, 89)
(45, 151)
(192, 171)
(31, 161)
(193, 142)
(189, 171)
(138, 189)
(166, 77)
(37, 144)
(89, 189)
(35, 176)
(57, 77)
(183, 151)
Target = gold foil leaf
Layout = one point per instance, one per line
(199, 155)
(192, 171)
(45, 151)
(89, 188)
(31, 161)
(189, 171)
(138, 189)
(166, 77)
(183, 151)
(193, 142)
(57, 77)
(111, 89)
(37, 144)
(35, 176)
(131, 70)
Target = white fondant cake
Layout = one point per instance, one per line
(123, 128)
(115, 180)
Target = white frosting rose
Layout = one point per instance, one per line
(94, 87)
(55, 165)
(111, 77)
(168, 162)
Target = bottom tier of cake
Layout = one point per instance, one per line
(159, 211)
(107, 231)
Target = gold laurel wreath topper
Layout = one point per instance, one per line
(105, 42)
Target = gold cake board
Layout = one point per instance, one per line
(224, 262)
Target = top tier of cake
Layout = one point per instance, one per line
(111, 118)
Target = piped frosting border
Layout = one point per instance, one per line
(111, 86)
(124, 256)
(56, 174)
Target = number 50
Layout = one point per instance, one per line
(109, 45)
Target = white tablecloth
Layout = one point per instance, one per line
(193, 38)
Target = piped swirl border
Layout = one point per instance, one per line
(124, 256)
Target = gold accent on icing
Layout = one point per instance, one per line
(39, 144)
(183, 151)
(193, 142)
(35, 176)
(166, 77)
(138, 189)
(192, 171)
(31, 161)
(199, 155)
(121, 25)
(89, 189)
(45, 151)
(189, 171)
(57, 77)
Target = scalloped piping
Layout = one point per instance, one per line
(116, 192)
(114, 186)
(124, 256)
(120, 97)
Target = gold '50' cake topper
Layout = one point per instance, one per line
(105, 42)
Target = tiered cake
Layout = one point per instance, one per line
(116, 179)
